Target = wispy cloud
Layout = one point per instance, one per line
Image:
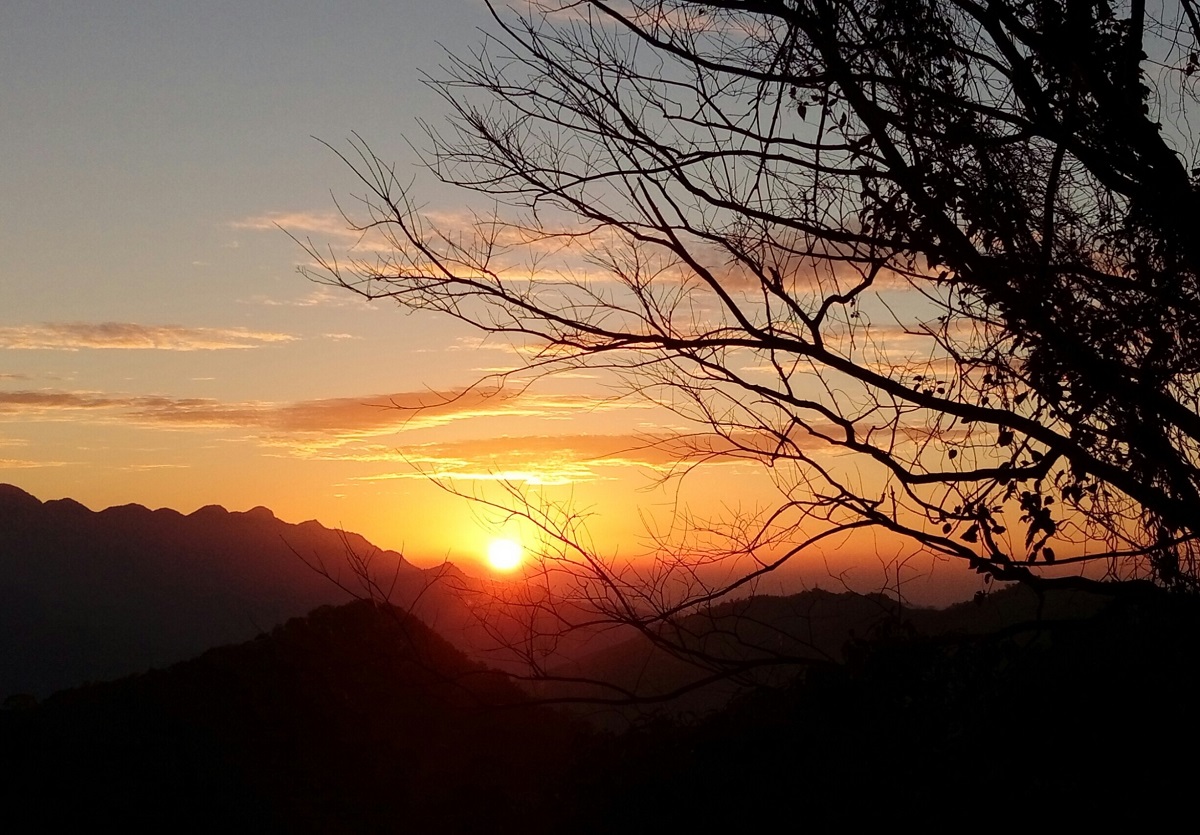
(565, 459)
(22, 464)
(325, 421)
(370, 429)
(337, 417)
(74, 336)
(544, 460)
(298, 223)
(319, 296)
(25, 402)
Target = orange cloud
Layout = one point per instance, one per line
(341, 418)
(73, 336)
(562, 459)
(22, 464)
(322, 223)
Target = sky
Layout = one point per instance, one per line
(159, 346)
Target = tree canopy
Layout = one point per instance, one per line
(950, 241)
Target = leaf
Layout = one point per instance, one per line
(972, 535)
(946, 528)
(952, 454)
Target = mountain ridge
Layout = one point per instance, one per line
(90, 595)
(94, 595)
(349, 718)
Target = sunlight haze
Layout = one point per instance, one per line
(158, 346)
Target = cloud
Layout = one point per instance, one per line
(353, 429)
(367, 430)
(21, 464)
(563, 459)
(14, 402)
(543, 460)
(151, 467)
(319, 296)
(73, 336)
(329, 420)
(298, 223)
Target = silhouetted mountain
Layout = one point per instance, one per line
(361, 719)
(764, 637)
(355, 718)
(94, 595)
(1082, 722)
(767, 640)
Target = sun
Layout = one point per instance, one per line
(504, 554)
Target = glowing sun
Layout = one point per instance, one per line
(504, 554)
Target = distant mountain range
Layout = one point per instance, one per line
(766, 639)
(359, 718)
(90, 596)
(93, 596)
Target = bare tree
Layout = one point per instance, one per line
(955, 239)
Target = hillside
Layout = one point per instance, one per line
(353, 718)
(360, 719)
(765, 640)
(89, 596)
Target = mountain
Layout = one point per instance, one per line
(352, 719)
(765, 640)
(765, 635)
(88, 596)
(1081, 721)
(359, 718)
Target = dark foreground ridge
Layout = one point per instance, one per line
(353, 719)
(361, 719)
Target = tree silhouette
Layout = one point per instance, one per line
(933, 263)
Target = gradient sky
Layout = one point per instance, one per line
(158, 346)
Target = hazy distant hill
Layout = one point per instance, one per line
(785, 634)
(90, 596)
(93, 595)
(809, 626)
(360, 719)
(353, 718)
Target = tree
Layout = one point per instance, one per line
(954, 239)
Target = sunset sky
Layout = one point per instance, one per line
(158, 346)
